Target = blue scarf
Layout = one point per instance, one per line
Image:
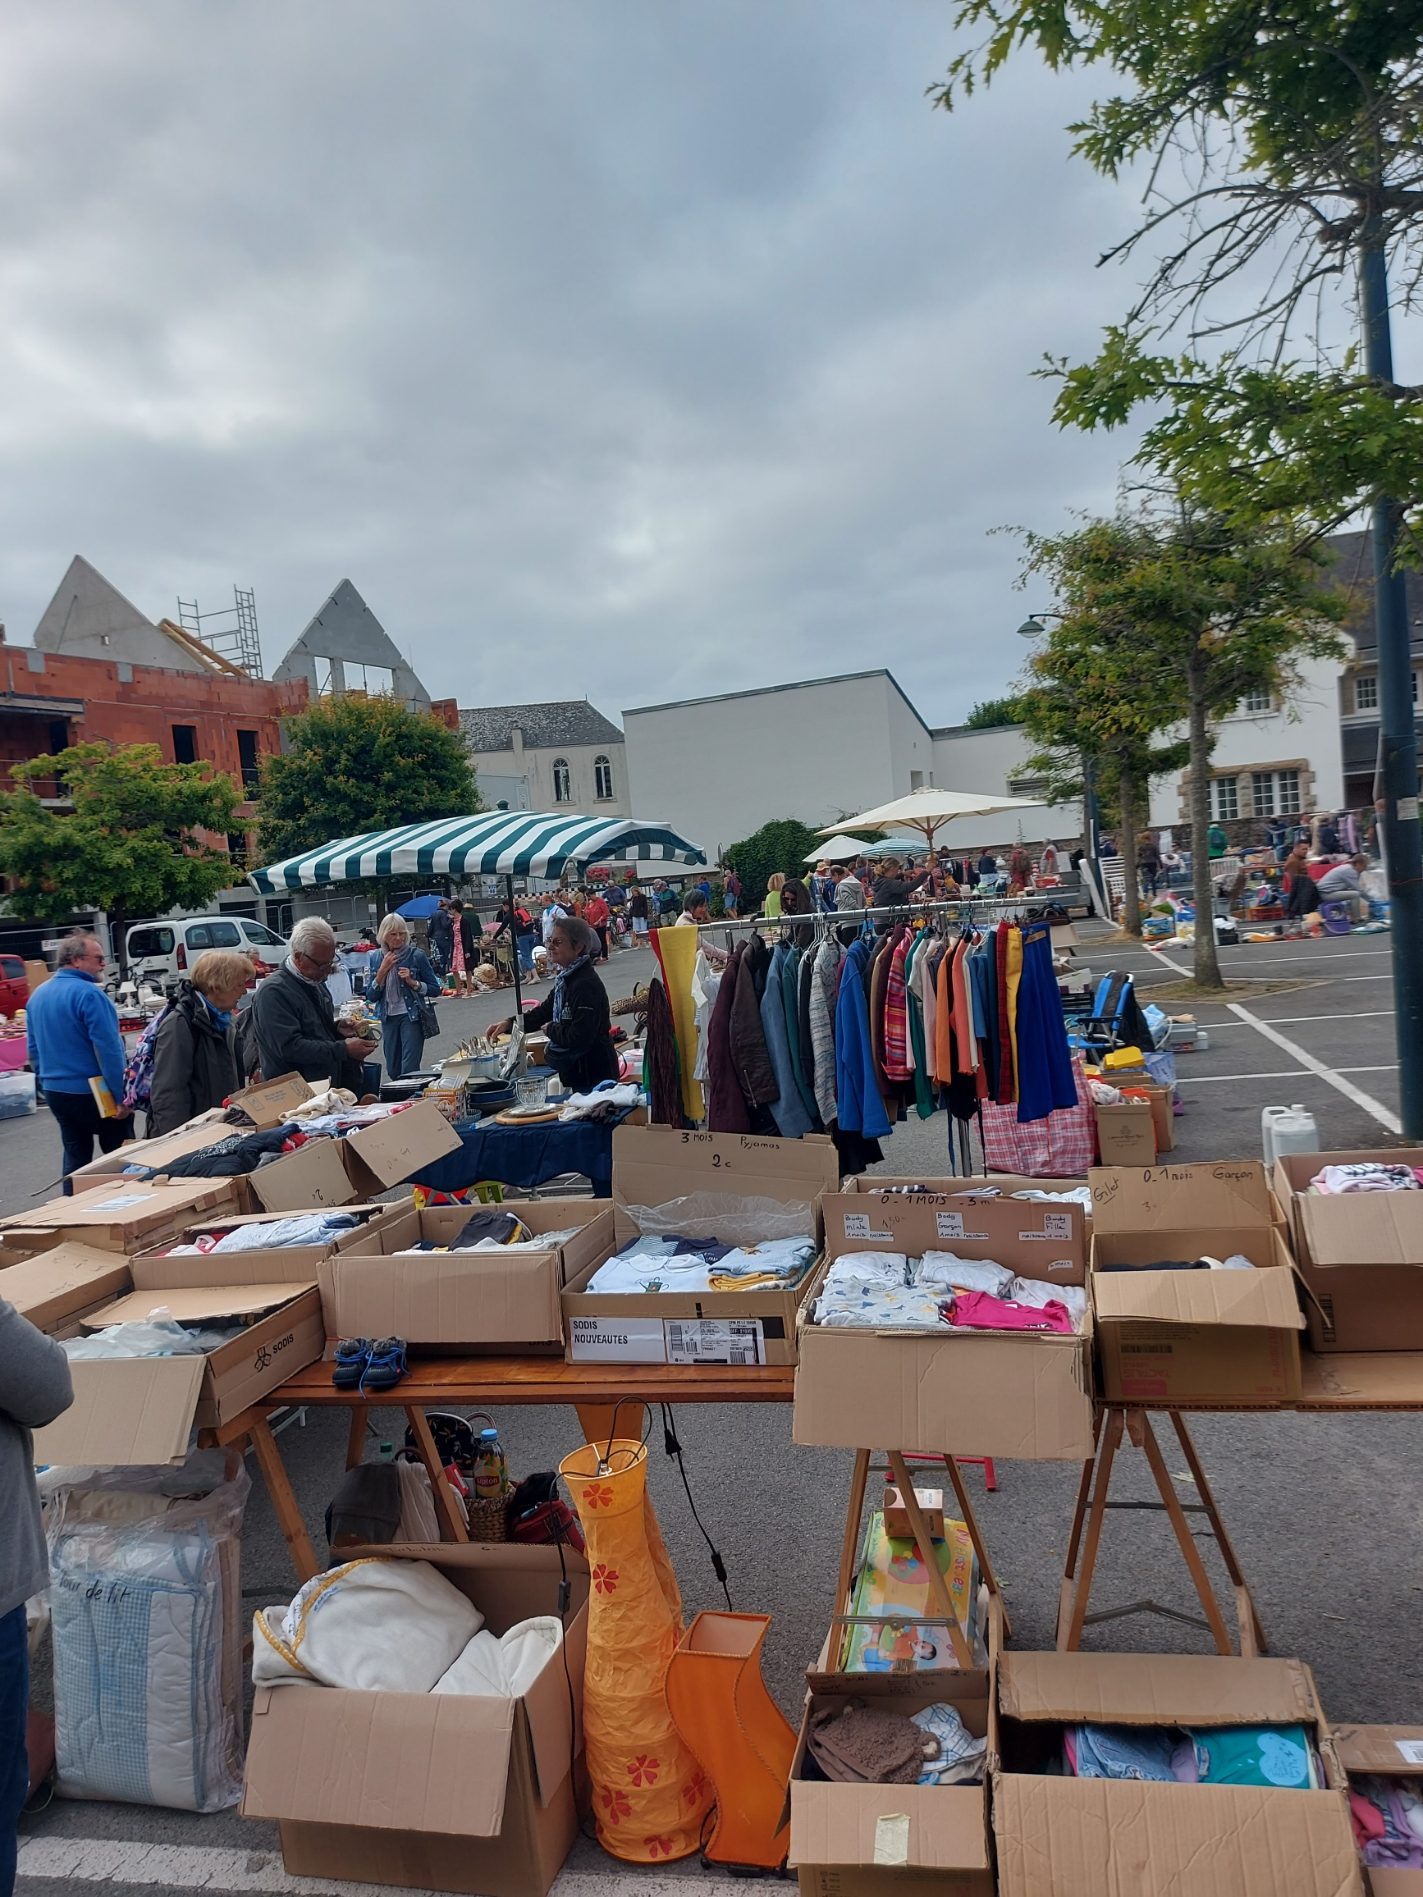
(559, 979)
(221, 1018)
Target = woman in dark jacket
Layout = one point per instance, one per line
(196, 1062)
(576, 1015)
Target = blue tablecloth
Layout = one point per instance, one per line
(526, 1156)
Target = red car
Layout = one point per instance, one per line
(14, 985)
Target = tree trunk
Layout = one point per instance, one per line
(1131, 889)
(1207, 963)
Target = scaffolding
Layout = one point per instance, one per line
(239, 643)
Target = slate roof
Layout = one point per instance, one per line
(1353, 574)
(570, 721)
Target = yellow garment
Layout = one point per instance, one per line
(1015, 977)
(772, 905)
(650, 1797)
(754, 1281)
(677, 952)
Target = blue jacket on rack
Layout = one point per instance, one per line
(857, 1094)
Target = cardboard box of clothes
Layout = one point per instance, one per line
(441, 1791)
(996, 1185)
(1259, 1832)
(1193, 1336)
(491, 1300)
(1126, 1134)
(130, 1216)
(142, 1410)
(979, 1392)
(889, 1840)
(1395, 1753)
(323, 1171)
(1360, 1254)
(242, 1235)
(656, 1171)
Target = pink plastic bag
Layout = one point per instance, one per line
(1063, 1146)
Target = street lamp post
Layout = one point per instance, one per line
(1033, 628)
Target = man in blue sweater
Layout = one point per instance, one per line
(72, 1029)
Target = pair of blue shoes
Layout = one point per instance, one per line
(365, 1366)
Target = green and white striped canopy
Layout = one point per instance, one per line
(496, 843)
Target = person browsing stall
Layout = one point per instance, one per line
(293, 1020)
(576, 1016)
(1342, 884)
(401, 977)
(196, 1059)
(72, 1032)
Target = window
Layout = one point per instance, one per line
(562, 781)
(1274, 793)
(261, 936)
(248, 757)
(1259, 699)
(142, 942)
(237, 848)
(916, 780)
(185, 744)
(602, 777)
(1225, 799)
(1029, 787)
(206, 935)
(1366, 694)
(1415, 688)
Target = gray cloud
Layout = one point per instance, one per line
(621, 350)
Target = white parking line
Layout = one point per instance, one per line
(260, 1873)
(1210, 1080)
(1375, 1109)
(1303, 1020)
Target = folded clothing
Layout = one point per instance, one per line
(673, 1264)
(1033, 1292)
(943, 1271)
(373, 1625)
(1280, 1756)
(486, 1228)
(955, 1756)
(847, 1302)
(858, 1745)
(877, 1307)
(1074, 1195)
(302, 1228)
(977, 1310)
(1367, 1176)
(869, 1267)
(504, 1666)
(1388, 1822)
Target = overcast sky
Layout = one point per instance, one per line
(630, 350)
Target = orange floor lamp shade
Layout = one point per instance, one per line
(650, 1797)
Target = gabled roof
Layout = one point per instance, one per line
(346, 630)
(793, 685)
(1353, 574)
(570, 721)
(90, 618)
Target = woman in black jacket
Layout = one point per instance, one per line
(576, 1014)
(464, 948)
(196, 1061)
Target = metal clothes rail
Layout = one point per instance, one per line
(955, 908)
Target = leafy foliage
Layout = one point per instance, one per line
(132, 841)
(990, 713)
(781, 845)
(359, 764)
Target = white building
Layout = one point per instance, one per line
(561, 755)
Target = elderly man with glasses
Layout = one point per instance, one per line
(72, 1030)
(293, 1018)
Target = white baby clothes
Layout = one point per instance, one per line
(943, 1271)
(1032, 1291)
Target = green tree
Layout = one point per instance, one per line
(1283, 160)
(1208, 611)
(1089, 696)
(358, 764)
(136, 839)
(781, 845)
(989, 713)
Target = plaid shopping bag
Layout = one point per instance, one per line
(1063, 1146)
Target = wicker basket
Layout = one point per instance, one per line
(487, 1519)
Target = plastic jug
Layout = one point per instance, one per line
(1287, 1130)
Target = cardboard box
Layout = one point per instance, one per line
(323, 1172)
(132, 1215)
(979, 1393)
(162, 1267)
(994, 1185)
(54, 1288)
(445, 1791)
(1360, 1254)
(142, 1410)
(654, 1165)
(891, 1840)
(1163, 1115)
(489, 1300)
(1070, 1837)
(1227, 1337)
(1126, 1134)
(1386, 1752)
(897, 1524)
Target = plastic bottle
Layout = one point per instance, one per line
(1287, 1130)
(491, 1469)
(387, 1452)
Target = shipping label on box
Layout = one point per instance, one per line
(715, 1340)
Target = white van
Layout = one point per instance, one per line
(163, 952)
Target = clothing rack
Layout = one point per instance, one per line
(955, 908)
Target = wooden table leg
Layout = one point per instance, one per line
(938, 1586)
(1185, 1539)
(452, 1525)
(284, 1502)
(1079, 1516)
(356, 1438)
(1252, 1634)
(980, 1547)
(1077, 1589)
(850, 1543)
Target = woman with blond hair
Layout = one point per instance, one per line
(402, 976)
(196, 1059)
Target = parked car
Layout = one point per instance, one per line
(163, 952)
(14, 985)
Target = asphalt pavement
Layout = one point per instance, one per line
(1325, 1512)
